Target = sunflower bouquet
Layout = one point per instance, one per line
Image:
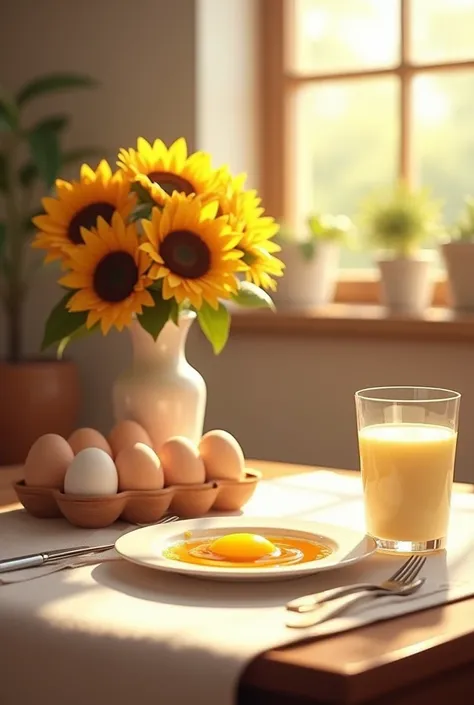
(165, 232)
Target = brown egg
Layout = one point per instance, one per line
(47, 462)
(125, 434)
(84, 438)
(222, 456)
(139, 468)
(181, 462)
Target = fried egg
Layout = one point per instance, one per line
(247, 550)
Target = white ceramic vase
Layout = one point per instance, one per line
(161, 390)
(459, 260)
(308, 282)
(406, 284)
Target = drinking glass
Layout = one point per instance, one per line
(407, 447)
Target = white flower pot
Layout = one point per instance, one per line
(161, 390)
(308, 282)
(459, 260)
(406, 284)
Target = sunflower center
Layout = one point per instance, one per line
(87, 218)
(171, 182)
(115, 277)
(185, 254)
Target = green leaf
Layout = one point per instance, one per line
(9, 114)
(252, 296)
(143, 210)
(3, 237)
(81, 332)
(54, 122)
(143, 195)
(62, 323)
(3, 173)
(27, 174)
(174, 314)
(53, 83)
(154, 317)
(45, 152)
(215, 325)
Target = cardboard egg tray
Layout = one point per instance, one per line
(139, 506)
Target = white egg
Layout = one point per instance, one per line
(92, 473)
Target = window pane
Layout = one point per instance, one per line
(345, 35)
(442, 30)
(443, 107)
(347, 144)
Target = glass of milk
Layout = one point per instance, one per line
(407, 446)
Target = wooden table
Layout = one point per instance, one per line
(426, 658)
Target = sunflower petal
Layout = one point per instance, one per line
(83, 300)
(76, 280)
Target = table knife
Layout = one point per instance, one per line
(33, 560)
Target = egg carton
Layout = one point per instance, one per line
(138, 506)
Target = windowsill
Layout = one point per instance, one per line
(360, 321)
(363, 287)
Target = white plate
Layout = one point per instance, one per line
(146, 546)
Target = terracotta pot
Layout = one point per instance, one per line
(36, 398)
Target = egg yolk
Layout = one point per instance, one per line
(242, 547)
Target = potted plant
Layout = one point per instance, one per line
(458, 256)
(312, 262)
(397, 222)
(38, 395)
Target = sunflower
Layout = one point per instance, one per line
(98, 194)
(192, 251)
(162, 171)
(110, 272)
(256, 230)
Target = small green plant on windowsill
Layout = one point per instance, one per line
(399, 220)
(323, 228)
(31, 159)
(463, 229)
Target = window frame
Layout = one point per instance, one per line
(278, 88)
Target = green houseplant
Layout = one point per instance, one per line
(31, 158)
(458, 256)
(312, 261)
(327, 228)
(397, 222)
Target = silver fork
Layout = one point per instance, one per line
(398, 583)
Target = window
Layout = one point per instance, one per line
(358, 92)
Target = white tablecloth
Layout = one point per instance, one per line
(116, 634)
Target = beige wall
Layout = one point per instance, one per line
(287, 399)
